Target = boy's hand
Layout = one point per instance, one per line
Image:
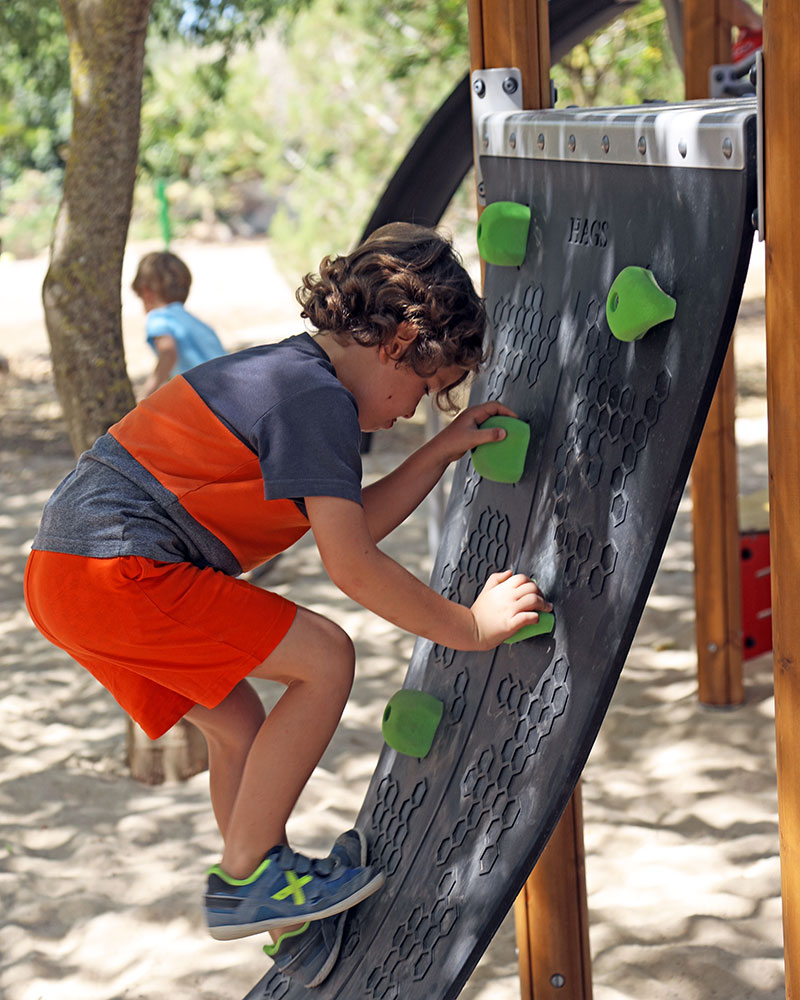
(505, 605)
(464, 433)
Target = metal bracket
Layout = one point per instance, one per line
(743, 79)
(761, 221)
(732, 79)
(493, 90)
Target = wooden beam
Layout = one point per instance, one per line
(551, 912)
(552, 917)
(782, 224)
(718, 621)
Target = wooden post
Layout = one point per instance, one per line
(782, 224)
(551, 912)
(718, 605)
(552, 917)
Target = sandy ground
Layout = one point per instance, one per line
(100, 877)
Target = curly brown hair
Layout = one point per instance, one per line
(402, 273)
(164, 274)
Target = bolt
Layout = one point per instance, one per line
(558, 981)
(727, 148)
(712, 647)
(682, 149)
(512, 140)
(642, 145)
(754, 75)
(480, 88)
(754, 218)
(571, 143)
(540, 140)
(605, 143)
(482, 189)
(510, 85)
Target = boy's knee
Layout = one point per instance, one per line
(340, 653)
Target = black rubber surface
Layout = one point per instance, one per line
(614, 428)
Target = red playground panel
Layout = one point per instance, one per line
(756, 594)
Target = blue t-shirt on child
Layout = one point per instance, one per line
(196, 341)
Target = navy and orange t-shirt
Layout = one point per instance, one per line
(212, 468)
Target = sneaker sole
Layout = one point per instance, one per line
(235, 931)
(327, 968)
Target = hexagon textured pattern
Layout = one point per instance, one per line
(614, 427)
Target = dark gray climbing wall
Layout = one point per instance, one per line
(614, 427)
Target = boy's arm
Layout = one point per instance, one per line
(389, 501)
(167, 351)
(383, 586)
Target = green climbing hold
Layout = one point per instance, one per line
(503, 233)
(503, 461)
(636, 303)
(544, 626)
(410, 721)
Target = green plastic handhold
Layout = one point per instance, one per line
(503, 461)
(544, 626)
(410, 721)
(503, 233)
(635, 304)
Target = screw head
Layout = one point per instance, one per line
(727, 148)
(540, 140)
(605, 144)
(479, 87)
(557, 981)
(572, 143)
(682, 148)
(510, 85)
(641, 145)
(512, 140)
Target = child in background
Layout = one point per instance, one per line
(134, 569)
(180, 339)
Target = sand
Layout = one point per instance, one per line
(101, 878)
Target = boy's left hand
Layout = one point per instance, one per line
(464, 433)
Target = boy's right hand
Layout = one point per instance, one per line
(507, 603)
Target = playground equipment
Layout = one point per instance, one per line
(458, 831)
(446, 933)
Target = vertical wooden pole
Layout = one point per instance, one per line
(718, 605)
(782, 224)
(552, 917)
(551, 912)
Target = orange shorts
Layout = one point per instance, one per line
(160, 636)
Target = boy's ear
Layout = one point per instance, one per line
(404, 337)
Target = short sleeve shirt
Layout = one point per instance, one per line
(195, 340)
(213, 467)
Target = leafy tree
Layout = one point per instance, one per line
(628, 61)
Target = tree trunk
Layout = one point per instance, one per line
(81, 292)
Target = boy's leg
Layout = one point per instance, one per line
(229, 730)
(315, 660)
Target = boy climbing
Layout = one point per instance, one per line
(134, 569)
(179, 339)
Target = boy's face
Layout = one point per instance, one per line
(395, 391)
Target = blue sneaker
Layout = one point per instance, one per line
(309, 953)
(286, 888)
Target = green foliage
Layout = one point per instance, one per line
(346, 125)
(627, 62)
(299, 132)
(34, 87)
